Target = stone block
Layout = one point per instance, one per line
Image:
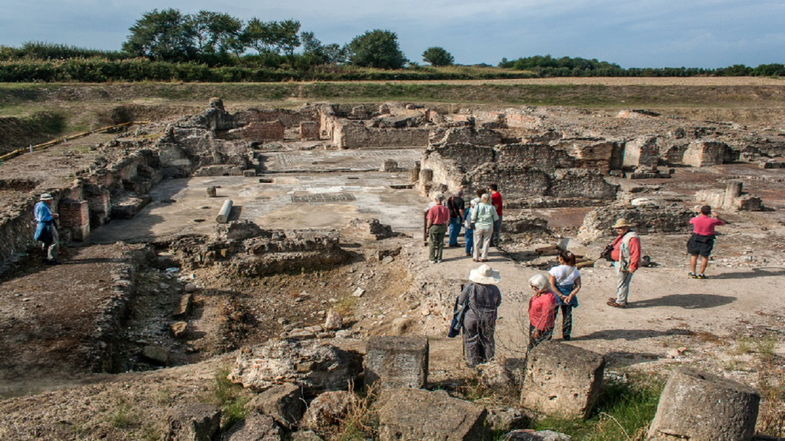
(75, 216)
(283, 402)
(397, 362)
(562, 380)
(705, 153)
(183, 307)
(313, 365)
(328, 409)
(193, 422)
(703, 407)
(641, 152)
(260, 131)
(540, 435)
(416, 414)
(309, 130)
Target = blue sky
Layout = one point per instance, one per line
(642, 33)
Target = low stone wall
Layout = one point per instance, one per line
(348, 134)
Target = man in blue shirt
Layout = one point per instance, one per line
(46, 231)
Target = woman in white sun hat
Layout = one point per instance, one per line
(479, 324)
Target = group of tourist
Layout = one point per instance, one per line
(479, 300)
(482, 222)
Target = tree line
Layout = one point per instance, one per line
(214, 46)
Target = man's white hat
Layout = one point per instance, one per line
(47, 197)
(485, 274)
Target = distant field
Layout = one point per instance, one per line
(81, 106)
(621, 81)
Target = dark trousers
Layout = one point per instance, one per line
(436, 235)
(545, 335)
(566, 325)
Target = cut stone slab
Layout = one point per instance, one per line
(562, 380)
(179, 329)
(396, 362)
(531, 435)
(701, 407)
(284, 403)
(183, 307)
(255, 427)
(305, 435)
(193, 422)
(157, 354)
(314, 365)
(416, 414)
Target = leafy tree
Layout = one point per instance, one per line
(161, 35)
(437, 56)
(376, 48)
(273, 36)
(215, 32)
(320, 53)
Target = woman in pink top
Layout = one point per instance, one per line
(702, 240)
(542, 311)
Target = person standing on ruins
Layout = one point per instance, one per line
(542, 311)
(483, 217)
(479, 323)
(46, 231)
(496, 201)
(469, 227)
(702, 240)
(456, 206)
(566, 281)
(626, 255)
(436, 225)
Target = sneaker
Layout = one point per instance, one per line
(701, 276)
(616, 305)
(692, 275)
(566, 337)
(52, 262)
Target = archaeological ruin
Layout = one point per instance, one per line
(259, 273)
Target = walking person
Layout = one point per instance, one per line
(702, 240)
(483, 216)
(542, 311)
(468, 225)
(436, 226)
(626, 255)
(566, 279)
(479, 323)
(497, 202)
(456, 206)
(46, 230)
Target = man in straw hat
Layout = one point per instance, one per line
(626, 255)
(45, 231)
(479, 324)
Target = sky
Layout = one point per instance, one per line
(640, 33)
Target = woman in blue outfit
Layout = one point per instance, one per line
(469, 227)
(567, 280)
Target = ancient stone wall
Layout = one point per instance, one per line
(348, 134)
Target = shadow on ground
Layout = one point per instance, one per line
(755, 272)
(631, 334)
(686, 301)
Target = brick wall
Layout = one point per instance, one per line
(263, 131)
(75, 216)
(309, 131)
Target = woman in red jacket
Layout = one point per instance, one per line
(542, 311)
